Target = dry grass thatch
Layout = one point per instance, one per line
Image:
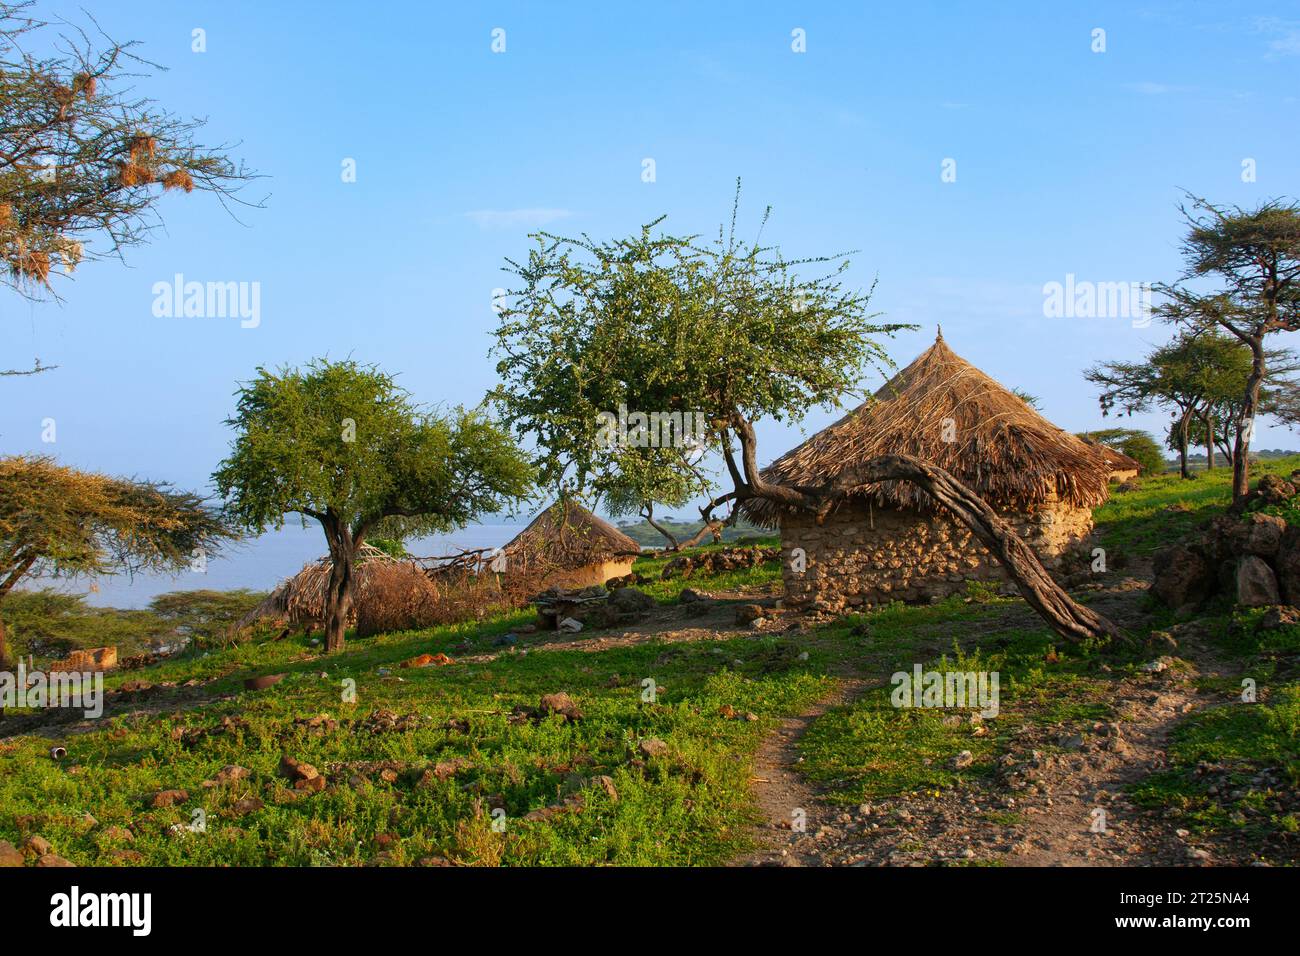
(564, 536)
(1116, 460)
(389, 594)
(1000, 446)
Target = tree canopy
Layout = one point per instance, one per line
(341, 443)
(1252, 259)
(59, 521)
(727, 331)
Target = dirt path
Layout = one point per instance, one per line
(1056, 799)
(790, 806)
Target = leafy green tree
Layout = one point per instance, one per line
(1255, 256)
(1200, 376)
(662, 324)
(340, 443)
(729, 332)
(60, 522)
(203, 616)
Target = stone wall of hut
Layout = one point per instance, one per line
(864, 556)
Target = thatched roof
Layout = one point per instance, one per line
(300, 600)
(567, 535)
(1000, 446)
(1116, 460)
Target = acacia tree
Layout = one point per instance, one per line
(83, 159)
(1199, 376)
(58, 521)
(643, 480)
(340, 443)
(730, 329)
(1255, 256)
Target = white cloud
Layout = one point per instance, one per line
(1286, 35)
(515, 218)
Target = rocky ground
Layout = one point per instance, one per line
(1054, 801)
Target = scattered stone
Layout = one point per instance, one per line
(1161, 641)
(227, 775)
(53, 859)
(10, 854)
(629, 600)
(652, 747)
(428, 660)
(561, 704)
(168, 798)
(116, 834)
(963, 760)
(1278, 616)
(606, 783)
(1183, 577)
(246, 806)
(263, 682)
(749, 613)
(301, 773)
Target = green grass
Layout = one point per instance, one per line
(690, 806)
(872, 749)
(1166, 507)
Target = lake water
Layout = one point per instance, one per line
(261, 563)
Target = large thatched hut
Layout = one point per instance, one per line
(568, 546)
(890, 541)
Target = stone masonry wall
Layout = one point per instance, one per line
(862, 557)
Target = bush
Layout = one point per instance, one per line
(49, 624)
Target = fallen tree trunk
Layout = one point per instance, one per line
(1066, 616)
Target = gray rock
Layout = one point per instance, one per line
(1256, 583)
(1182, 576)
(631, 600)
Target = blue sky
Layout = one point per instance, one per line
(1068, 161)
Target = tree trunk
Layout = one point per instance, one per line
(338, 593)
(1183, 442)
(1209, 442)
(1246, 424)
(649, 514)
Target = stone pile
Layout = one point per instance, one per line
(1252, 557)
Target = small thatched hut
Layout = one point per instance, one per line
(1122, 467)
(568, 546)
(891, 541)
(390, 594)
